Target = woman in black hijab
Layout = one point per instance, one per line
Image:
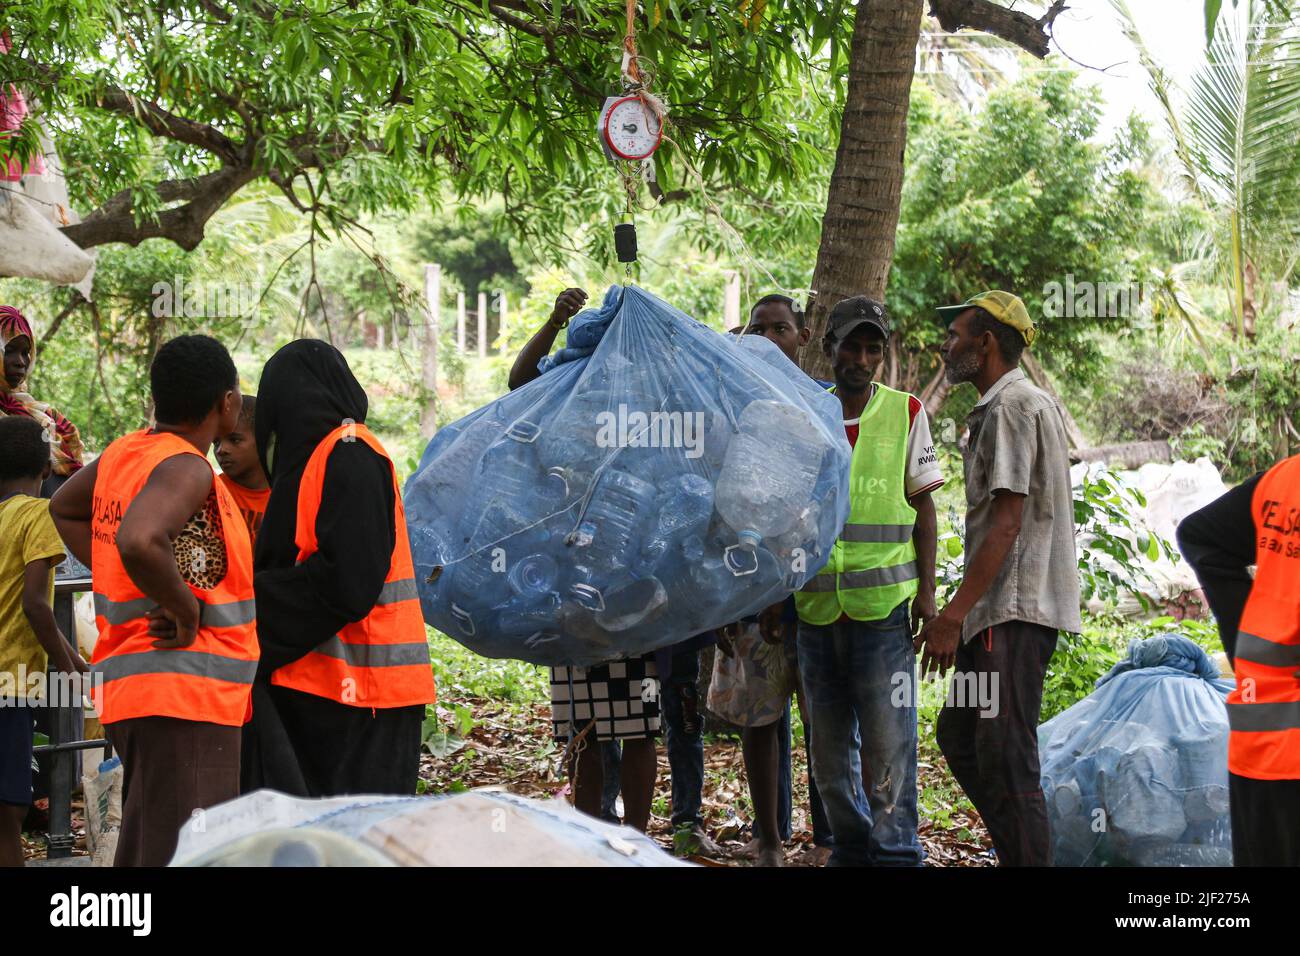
(297, 742)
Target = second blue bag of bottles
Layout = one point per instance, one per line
(657, 481)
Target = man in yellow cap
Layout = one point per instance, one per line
(1020, 586)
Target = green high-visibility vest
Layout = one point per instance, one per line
(872, 567)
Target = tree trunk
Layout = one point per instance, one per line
(934, 393)
(857, 243)
(889, 372)
(1248, 308)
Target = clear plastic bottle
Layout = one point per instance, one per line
(458, 461)
(632, 603)
(694, 578)
(770, 467)
(529, 614)
(567, 446)
(609, 536)
(533, 576)
(434, 497)
(685, 504)
(506, 506)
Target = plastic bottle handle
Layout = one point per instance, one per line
(733, 566)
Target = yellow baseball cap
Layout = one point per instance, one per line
(1003, 306)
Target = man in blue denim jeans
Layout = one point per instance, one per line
(855, 631)
(683, 723)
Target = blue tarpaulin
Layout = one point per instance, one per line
(1136, 773)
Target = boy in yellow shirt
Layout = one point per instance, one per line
(30, 639)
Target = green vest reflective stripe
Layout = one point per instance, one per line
(872, 567)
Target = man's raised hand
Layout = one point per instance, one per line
(567, 304)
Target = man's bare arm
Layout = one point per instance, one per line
(925, 538)
(568, 304)
(991, 554)
(940, 636)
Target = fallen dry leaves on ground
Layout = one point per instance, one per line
(512, 748)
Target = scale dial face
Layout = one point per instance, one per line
(630, 129)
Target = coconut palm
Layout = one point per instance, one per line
(1234, 138)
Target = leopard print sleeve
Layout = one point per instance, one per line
(200, 548)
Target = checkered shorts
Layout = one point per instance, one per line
(622, 697)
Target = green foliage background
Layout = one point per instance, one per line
(488, 165)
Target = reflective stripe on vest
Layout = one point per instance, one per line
(1259, 651)
(1264, 708)
(178, 661)
(1259, 718)
(872, 566)
(231, 614)
(873, 578)
(383, 659)
(394, 592)
(882, 533)
(376, 655)
(211, 679)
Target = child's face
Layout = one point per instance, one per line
(237, 455)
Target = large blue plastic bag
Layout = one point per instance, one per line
(658, 480)
(1136, 773)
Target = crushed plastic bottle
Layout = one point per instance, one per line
(684, 506)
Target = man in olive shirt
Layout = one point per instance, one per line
(1021, 583)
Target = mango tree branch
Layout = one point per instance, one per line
(183, 224)
(149, 115)
(552, 55)
(74, 300)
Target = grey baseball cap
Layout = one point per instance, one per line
(850, 313)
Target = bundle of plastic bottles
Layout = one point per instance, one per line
(658, 480)
(1136, 774)
(480, 828)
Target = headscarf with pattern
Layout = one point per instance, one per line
(65, 453)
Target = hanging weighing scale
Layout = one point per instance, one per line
(631, 128)
(630, 132)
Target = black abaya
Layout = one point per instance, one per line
(300, 743)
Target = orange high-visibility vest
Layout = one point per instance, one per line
(383, 659)
(1264, 710)
(250, 503)
(212, 679)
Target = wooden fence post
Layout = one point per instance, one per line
(731, 301)
(433, 309)
(482, 325)
(502, 321)
(460, 322)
